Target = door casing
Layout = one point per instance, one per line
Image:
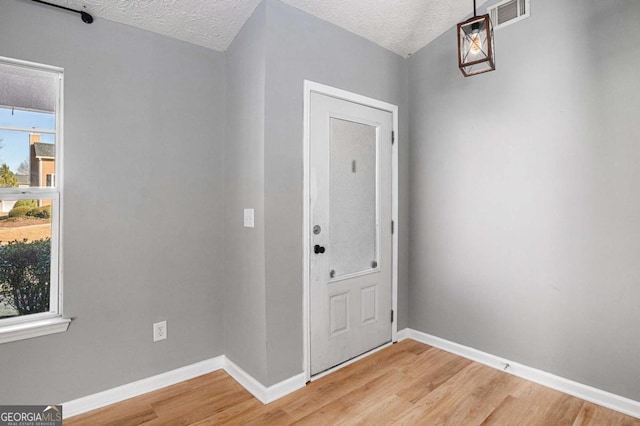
(310, 86)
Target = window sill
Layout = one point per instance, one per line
(27, 330)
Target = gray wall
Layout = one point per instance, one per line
(525, 206)
(276, 50)
(143, 205)
(298, 47)
(145, 120)
(523, 240)
(245, 324)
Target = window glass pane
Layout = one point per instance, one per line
(26, 158)
(353, 185)
(11, 117)
(29, 100)
(25, 257)
(28, 104)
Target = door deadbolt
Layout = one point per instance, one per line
(317, 229)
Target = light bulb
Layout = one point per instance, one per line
(476, 43)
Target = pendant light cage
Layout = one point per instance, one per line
(476, 53)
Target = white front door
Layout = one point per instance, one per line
(350, 219)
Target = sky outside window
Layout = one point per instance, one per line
(15, 144)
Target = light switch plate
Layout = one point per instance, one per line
(248, 218)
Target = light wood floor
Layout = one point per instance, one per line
(406, 383)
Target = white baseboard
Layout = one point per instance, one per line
(588, 393)
(139, 387)
(285, 387)
(260, 391)
(268, 394)
(159, 381)
(403, 334)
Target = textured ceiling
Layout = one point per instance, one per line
(208, 23)
(402, 26)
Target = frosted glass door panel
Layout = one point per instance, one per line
(353, 189)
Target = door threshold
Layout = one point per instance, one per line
(349, 362)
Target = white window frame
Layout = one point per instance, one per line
(34, 325)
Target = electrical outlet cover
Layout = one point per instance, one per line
(249, 218)
(159, 331)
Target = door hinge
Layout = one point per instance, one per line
(393, 227)
(392, 315)
(393, 137)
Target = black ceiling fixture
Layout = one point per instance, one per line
(86, 18)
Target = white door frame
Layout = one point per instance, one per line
(310, 86)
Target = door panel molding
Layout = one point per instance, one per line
(309, 187)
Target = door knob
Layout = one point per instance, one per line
(318, 249)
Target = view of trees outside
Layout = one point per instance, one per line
(7, 177)
(23, 168)
(25, 224)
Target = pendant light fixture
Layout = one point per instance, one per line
(475, 45)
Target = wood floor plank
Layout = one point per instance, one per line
(126, 413)
(265, 416)
(369, 394)
(433, 368)
(231, 414)
(594, 415)
(557, 407)
(514, 411)
(325, 415)
(194, 410)
(379, 413)
(335, 386)
(467, 398)
(405, 383)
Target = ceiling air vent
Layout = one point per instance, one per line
(507, 12)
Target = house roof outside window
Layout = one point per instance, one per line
(45, 150)
(23, 180)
